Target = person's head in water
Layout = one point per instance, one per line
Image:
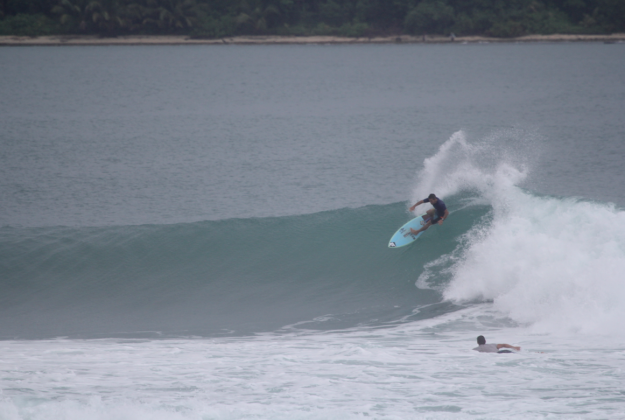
(481, 340)
(432, 197)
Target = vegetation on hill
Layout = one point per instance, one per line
(354, 18)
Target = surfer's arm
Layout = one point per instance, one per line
(508, 346)
(440, 222)
(416, 204)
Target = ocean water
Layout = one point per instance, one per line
(201, 232)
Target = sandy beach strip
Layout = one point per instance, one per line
(57, 40)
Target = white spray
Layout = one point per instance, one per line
(555, 264)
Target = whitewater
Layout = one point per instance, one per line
(205, 237)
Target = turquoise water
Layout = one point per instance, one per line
(201, 232)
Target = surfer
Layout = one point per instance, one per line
(493, 348)
(435, 215)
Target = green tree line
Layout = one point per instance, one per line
(355, 18)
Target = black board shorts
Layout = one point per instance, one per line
(434, 219)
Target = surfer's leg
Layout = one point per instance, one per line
(427, 222)
(424, 228)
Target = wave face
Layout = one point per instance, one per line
(326, 270)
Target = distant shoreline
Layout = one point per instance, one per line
(59, 40)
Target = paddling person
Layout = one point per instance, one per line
(436, 215)
(493, 348)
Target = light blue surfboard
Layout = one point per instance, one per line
(403, 236)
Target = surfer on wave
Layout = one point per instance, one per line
(432, 216)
